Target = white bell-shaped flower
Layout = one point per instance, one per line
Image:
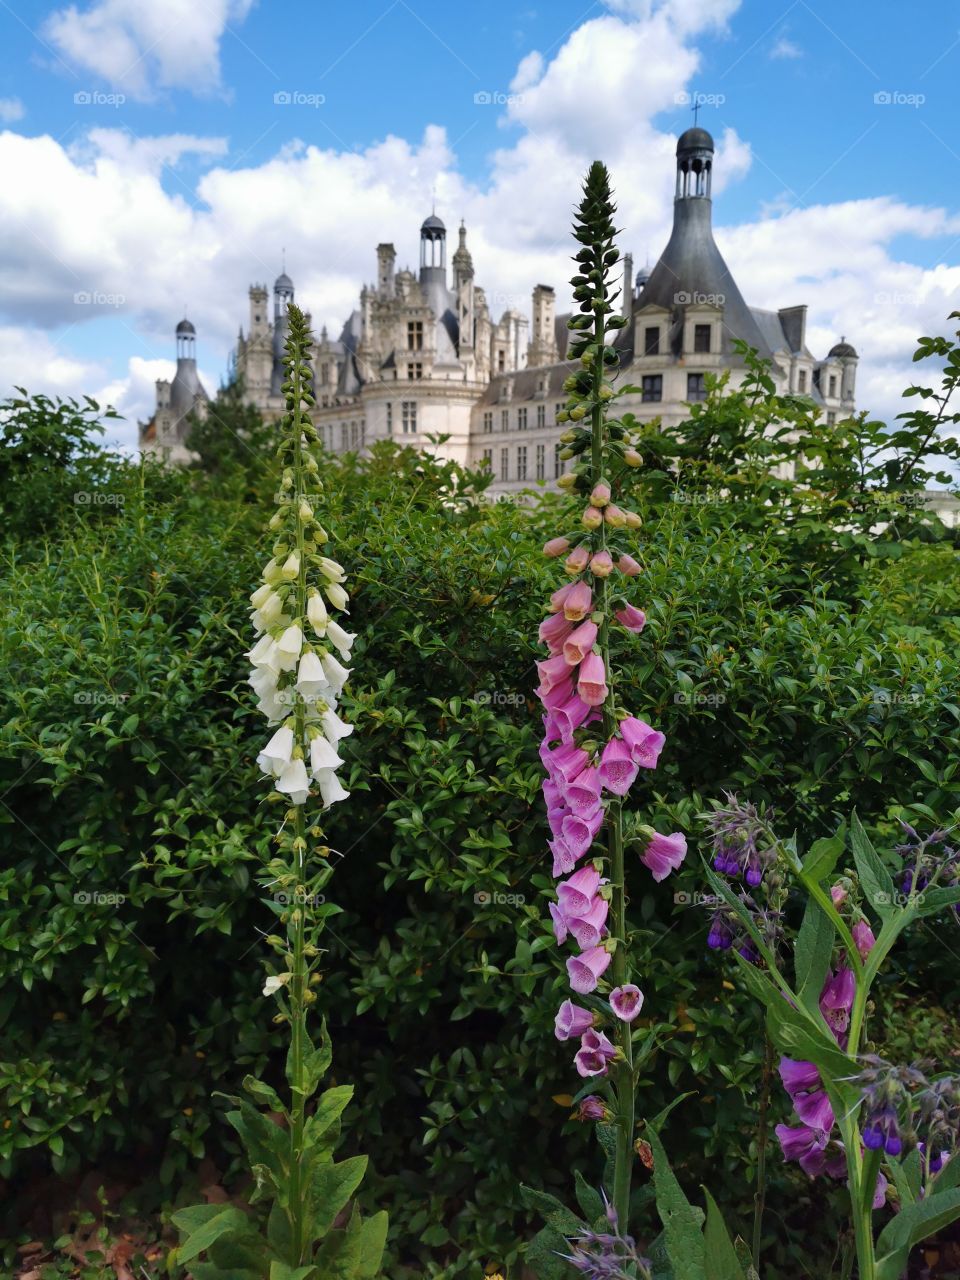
(336, 674)
(342, 639)
(330, 788)
(317, 614)
(337, 596)
(261, 595)
(291, 566)
(268, 613)
(261, 655)
(333, 727)
(288, 649)
(331, 570)
(293, 781)
(276, 755)
(322, 755)
(312, 680)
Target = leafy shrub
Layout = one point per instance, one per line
(127, 767)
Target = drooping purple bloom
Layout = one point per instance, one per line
(576, 894)
(586, 970)
(626, 1001)
(572, 1020)
(664, 854)
(618, 769)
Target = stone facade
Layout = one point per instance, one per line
(423, 357)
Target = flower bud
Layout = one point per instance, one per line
(305, 511)
(291, 566)
(601, 565)
(578, 413)
(600, 495)
(633, 521)
(626, 564)
(577, 560)
(568, 481)
(605, 392)
(632, 458)
(592, 518)
(556, 547)
(614, 517)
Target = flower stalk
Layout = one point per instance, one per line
(593, 748)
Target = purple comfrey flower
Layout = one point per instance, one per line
(882, 1132)
(662, 854)
(586, 970)
(607, 1255)
(742, 841)
(720, 937)
(618, 769)
(626, 1001)
(572, 1021)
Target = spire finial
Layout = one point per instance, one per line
(696, 108)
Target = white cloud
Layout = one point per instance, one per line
(785, 48)
(140, 46)
(11, 109)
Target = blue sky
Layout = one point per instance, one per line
(181, 179)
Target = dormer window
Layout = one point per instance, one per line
(802, 381)
(651, 340)
(833, 385)
(415, 335)
(701, 337)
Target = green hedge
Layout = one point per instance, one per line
(127, 768)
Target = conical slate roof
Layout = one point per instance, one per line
(691, 271)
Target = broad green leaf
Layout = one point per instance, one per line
(553, 1211)
(331, 1186)
(373, 1238)
(227, 1218)
(720, 1257)
(682, 1223)
(543, 1258)
(589, 1199)
(912, 1224)
(811, 953)
(264, 1093)
(876, 880)
(823, 855)
(282, 1271)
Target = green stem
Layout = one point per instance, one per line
(623, 1071)
(298, 981)
(760, 1196)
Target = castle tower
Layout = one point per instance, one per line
(282, 297)
(848, 358)
(691, 286)
(464, 289)
(543, 345)
(433, 251)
